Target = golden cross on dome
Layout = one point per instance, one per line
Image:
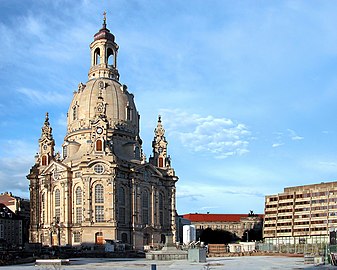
(104, 18)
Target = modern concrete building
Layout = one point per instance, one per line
(302, 214)
(102, 186)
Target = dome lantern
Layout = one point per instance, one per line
(104, 54)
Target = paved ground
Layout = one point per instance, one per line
(247, 262)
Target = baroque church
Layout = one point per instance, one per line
(102, 187)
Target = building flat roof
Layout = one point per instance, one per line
(217, 217)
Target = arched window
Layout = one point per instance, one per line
(99, 194)
(44, 160)
(121, 196)
(161, 162)
(99, 200)
(110, 57)
(78, 194)
(137, 152)
(161, 209)
(161, 201)
(65, 151)
(43, 200)
(121, 209)
(75, 112)
(78, 217)
(97, 56)
(57, 205)
(145, 205)
(57, 198)
(99, 145)
(128, 113)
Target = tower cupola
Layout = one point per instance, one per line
(46, 143)
(159, 147)
(103, 54)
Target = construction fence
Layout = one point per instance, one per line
(316, 249)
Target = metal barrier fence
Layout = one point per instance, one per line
(318, 249)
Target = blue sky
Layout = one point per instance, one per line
(247, 90)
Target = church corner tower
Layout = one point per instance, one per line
(46, 144)
(159, 147)
(102, 187)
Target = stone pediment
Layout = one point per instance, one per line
(149, 168)
(55, 166)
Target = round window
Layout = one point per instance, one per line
(99, 168)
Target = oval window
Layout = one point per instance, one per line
(99, 168)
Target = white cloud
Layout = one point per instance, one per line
(274, 145)
(281, 137)
(293, 135)
(221, 137)
(42, 98)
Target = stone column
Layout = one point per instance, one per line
(87, 199)
(173, 212)
(114, 202)
(153, 206)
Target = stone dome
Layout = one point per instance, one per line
(103, 97)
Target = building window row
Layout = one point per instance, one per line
(319, 215)
(301, 230)
(302, 202)
(319, 208)
(284, 224)
(318, 229)
(318, 194)
(286, 197)
(285, 217)
(302, 216)
(285, 204)
(283, 230)
(302, 209)
(319, 221)
(319, 201)
(301, 222)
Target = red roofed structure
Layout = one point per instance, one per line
(216, 217)
(234, 223)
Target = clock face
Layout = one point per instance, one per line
(44, 147)
(101, 84)
(99, 130)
